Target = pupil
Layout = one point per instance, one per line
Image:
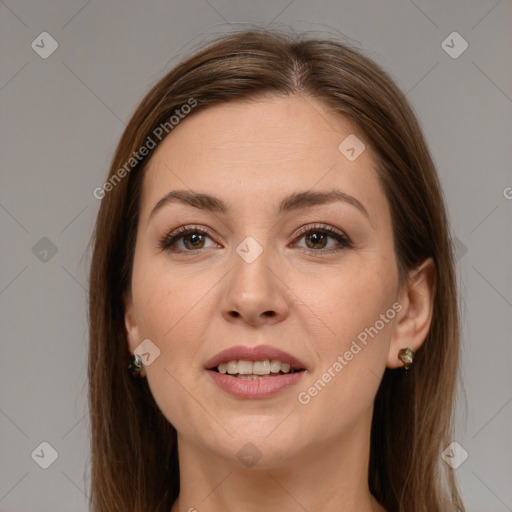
(195, 238)
(315, 237)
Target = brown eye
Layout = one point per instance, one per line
(317, 240)
(193, 238)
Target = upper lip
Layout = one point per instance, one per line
(258, 353)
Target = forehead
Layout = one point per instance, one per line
(256, 151)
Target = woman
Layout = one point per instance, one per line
(272, 259)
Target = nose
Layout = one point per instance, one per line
(255, 292)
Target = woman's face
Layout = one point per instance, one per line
(264, 272)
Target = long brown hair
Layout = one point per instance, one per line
(134, 460)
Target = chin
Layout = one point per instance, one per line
(257, 446)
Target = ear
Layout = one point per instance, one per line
(132, 330)
(413, 320)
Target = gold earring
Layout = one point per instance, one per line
(406, 355)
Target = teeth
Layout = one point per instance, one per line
(275, 366)
(245, 367)
(250, 368)
(261, 367)
(232, 367)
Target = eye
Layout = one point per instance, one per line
(192, 237)
(317, 236)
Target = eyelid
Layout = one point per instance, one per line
(343, 240)
(176, 234)
(320, 227)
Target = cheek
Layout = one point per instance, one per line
(352, 358)
(172, 312)
(351, 300)
(358, 308)
(163, 303)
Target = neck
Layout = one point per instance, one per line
(330, 476)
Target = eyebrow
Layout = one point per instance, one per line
(294, 201)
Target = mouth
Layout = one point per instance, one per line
(254, 372)
(259, 362)
(250, 370)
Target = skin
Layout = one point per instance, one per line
(314, 456)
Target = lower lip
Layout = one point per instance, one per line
(258, 388)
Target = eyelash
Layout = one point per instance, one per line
(168, 241)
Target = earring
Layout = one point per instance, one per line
(135, 367)
(406, 355)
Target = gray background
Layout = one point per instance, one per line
(61, 118)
